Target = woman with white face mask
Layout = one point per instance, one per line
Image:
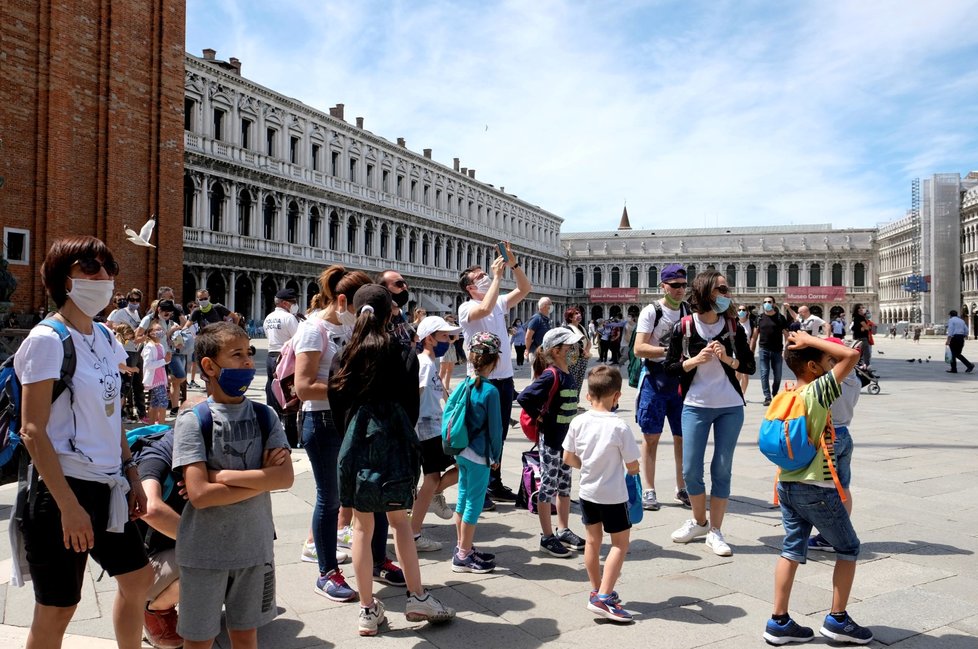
(85, 488)
(318, 339)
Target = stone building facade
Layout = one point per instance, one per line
(90, 121)
(275, 191)
(969, 258)
(817, 265)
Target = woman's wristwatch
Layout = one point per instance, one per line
(131, 463)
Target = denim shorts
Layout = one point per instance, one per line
(178, 366)
(843, 455)
(804, 506)
(654, 406)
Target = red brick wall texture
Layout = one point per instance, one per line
(91, 118)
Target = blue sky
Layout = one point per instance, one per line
(695, 113)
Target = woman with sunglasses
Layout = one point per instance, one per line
(706, 351)
(83, 473)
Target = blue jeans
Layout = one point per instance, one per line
(770, 362)
(804, 506)
(322, 443)
(726, 424)
(843, 455)
(473, 478)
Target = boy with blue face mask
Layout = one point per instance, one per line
(438, 468)
(224, 543)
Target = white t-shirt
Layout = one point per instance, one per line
(813, 325)
(646, 325)
(166, 324)
(125, 316)
(310, 338)
(96, 387)
(746, 325)
(711, 388)
(495, 323)
(433, 392)
(280, 326)
(604, 443)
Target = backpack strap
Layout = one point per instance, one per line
(68, 361)
(830, 456)
(552, 394)
(206, 419)
(266, 420)
(105, 332)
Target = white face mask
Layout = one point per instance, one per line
(203, 304)
(346, 318)
(483, 283)
(91, 295)
(294, 308)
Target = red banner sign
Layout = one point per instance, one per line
(806, 294)
(613, 294)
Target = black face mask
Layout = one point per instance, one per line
(400, 299)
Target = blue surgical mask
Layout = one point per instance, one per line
(742, 314)
(721, 304)
(234, 381)
(768, 307)
(441, 348)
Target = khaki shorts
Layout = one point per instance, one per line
(165, 570)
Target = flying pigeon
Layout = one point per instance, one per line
(145, 233)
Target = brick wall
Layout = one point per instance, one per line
(91, 117)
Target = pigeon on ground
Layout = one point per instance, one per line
(145, 233)
(910, 360)
(919, 361)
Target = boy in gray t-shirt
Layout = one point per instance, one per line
(224, 543)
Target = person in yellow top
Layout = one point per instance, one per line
(808, 498)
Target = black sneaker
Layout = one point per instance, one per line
(502, 493)
(570, 540)
(551, 545)
(780, 634)
(174, 411)
(488, 505)
(767, 401)
(845, 631)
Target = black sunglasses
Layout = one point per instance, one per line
(676, 285)
(723, 288)
(768, 301)
(401, 284)
(91, 266)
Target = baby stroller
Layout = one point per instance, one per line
(867, 378)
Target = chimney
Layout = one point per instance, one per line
(236, 64)
(472, 174)
(360, 123)
(209, 54)
(465, 171)
(455, 163)
(336, 111)
(502, 189)
(427, 153)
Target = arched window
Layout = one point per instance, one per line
(384, 240)
(633, 277)
(615, 277)
(596, 275)
(653, 276)
(772, 275)
(424, 250)
(334, 230)
(398, 244)
(368, 238)
(413, 247)
(217, 207)
(836, 274)
(751, 276)
(293, 222)
(859, 275)
(189, 198)
(268, 219)
(351, 235)
(315, 222)
(244, 213)
(793, 275)
(578, 277)
(815, 275)
(731, 275)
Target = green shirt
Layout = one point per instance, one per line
(818, 397)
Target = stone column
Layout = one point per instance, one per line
(232, 279)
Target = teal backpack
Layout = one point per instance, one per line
(454, 420)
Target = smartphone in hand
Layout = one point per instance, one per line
(501, 246)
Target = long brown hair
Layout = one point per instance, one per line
(701, 293)
(336, 280)
(370, 342)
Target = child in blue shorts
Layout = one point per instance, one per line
(809, 498)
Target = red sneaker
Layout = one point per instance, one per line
(161, 628)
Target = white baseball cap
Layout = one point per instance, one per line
(560, 336)
(433, 324)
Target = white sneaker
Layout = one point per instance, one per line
(341, 557)
(714, 541)
(371, 617)
(441, 508)
(344, 536)
(689, 531)
(309, 553)
(426, 608)
(424, 544)
(649, 501)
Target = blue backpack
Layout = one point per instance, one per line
(13, 458)
(454, 424)
(783, 437)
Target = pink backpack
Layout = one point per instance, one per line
(283, 385)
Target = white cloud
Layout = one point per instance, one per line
(699, 114)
